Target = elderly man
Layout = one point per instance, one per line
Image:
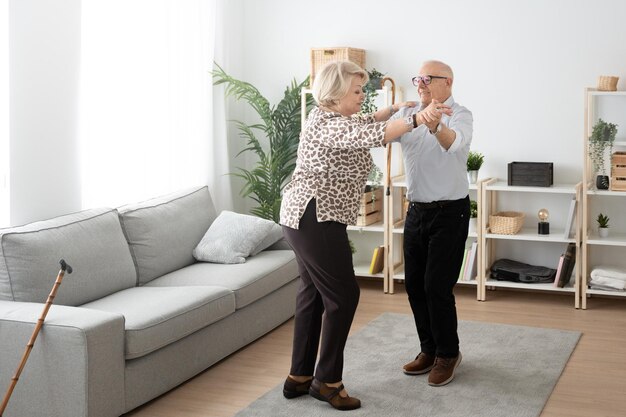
(435, 158)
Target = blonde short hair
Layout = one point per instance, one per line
(333, 81)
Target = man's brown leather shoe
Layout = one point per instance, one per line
(443, 371)
(422, 364)
(331, 395)
(293, 388)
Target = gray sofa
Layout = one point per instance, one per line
(138, 316)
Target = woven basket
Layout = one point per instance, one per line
(322, 56)
(506, 222)
(607, 83)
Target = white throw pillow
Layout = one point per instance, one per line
(232, 237)
(275, 234)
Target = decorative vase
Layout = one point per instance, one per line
(602, 182)
(603, 231)
(472, 176)
(472, 225)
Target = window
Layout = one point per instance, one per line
(4, 114)
(145, 91)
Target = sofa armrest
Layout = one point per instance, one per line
(76, 367)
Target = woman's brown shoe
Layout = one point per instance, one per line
(323, 392)
(293, 388)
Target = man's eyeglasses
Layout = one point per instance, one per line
(426, 79)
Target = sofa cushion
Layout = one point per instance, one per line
(250, 281)
(91, 241)
(162, 232)
(156, 317)
(232, 237)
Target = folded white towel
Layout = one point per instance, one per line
(608, 282)
(608, 273)
(602, 287)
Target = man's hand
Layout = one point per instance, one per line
(431, 115)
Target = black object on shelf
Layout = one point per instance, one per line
(536, 174)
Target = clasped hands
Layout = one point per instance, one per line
(431, 114)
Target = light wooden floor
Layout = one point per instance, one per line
(592, 385)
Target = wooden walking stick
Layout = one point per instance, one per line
(387, 286)
(31, 342)
(393, 100)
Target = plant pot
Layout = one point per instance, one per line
(472, 225)
(376, 83)
(602, 182)
(472, 176)
(603, 231)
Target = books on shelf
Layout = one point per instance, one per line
(470, 266)
(378, 260)
(558, 271)
(569, 260)
(461, 272)
(571, 215)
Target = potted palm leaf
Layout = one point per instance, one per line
(274, 141)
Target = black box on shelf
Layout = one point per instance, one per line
(536, 174)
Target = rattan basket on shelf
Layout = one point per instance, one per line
(607, 83)
(322, 56)
(506, 222)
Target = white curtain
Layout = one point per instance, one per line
(146, 98)
(4, 113)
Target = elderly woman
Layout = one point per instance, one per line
(322, 198)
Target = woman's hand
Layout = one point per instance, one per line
(398, 106)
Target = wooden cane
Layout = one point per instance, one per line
(393, 100)
(33, 337)
(388, 287)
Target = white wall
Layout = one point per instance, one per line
(520, 67)
(44, 46)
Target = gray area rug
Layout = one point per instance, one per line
(507, 371)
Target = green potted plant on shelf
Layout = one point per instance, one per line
(601, 140)
(473, 216)
(276, 145)
(603, 225)
(474, 162)
(375, 83)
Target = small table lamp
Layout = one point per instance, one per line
(543, 227)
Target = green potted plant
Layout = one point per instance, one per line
(473, 216)
(601, 140)
(375, 83)
(474, 162)
(603, 225)
(279, 128)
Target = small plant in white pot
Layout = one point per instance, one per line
(474, 162)
(603, 225)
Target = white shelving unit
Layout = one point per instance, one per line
(597, 251)
(490, 190)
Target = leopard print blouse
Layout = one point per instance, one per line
(332, 166)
